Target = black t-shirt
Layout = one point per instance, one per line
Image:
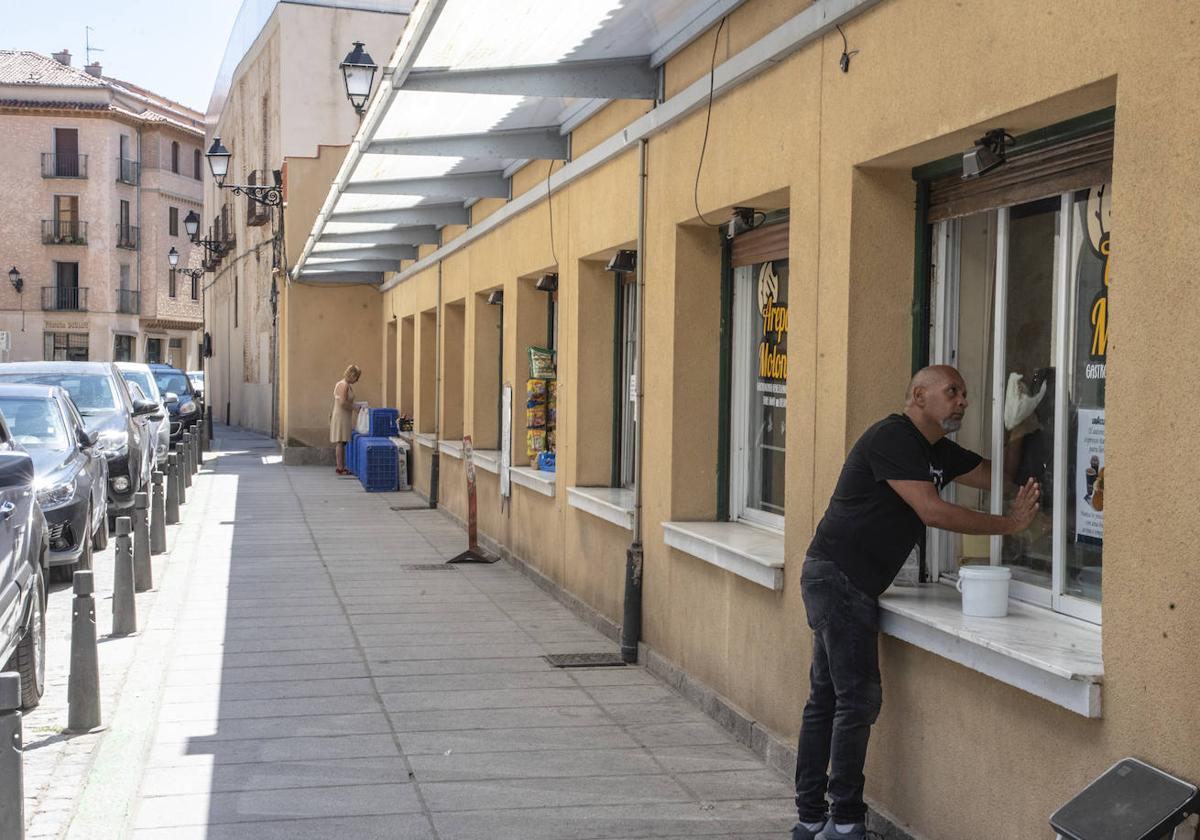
(868, 529)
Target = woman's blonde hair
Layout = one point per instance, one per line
(352, 371)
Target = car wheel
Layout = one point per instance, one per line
(31, 652)
(100, 536)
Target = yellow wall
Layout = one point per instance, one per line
(955, 754)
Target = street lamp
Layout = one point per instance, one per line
(14, 277)
(269, 195)
(358, 69)
(173, 257)
(191, 224)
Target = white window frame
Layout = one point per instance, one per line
(744, 349)
(628, 382)
(944, 350)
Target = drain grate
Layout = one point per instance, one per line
(401, 508)
(428, 567)
(585, 660)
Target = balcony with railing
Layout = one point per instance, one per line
(63, 166)
(129, 302)
(128, 171)
(128, 236)
(64, 232)
(64, 299)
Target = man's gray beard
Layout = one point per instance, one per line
(951, 424)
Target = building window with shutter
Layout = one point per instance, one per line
(196, 171)
(175, 157)
(171, 283)
(173, 221)
(195, 287)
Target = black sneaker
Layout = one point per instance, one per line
(858, 831)
(800, 832)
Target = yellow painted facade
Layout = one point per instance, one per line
(955, 754)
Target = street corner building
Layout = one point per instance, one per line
(97, 174)
(680, 254)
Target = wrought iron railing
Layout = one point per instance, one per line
(64, 298)
(128, 171)
(128, 236)
(63, 166)
(64, 232)
(129, 302)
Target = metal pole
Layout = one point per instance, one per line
(143, 575)
(12, 781)
(185, 449)
(158, 517)
(180, 469)
(83, 685)
(172, 489)
(124, 603)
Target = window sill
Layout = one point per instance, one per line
(487, 459)
(747, 551)
(405, 436)
(612, 504)
(537, 480)
(424, 439)
(1049, 655)
(453, 448)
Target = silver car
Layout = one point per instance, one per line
(141, 375)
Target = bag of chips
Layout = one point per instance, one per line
(535, 442)
(541, 363)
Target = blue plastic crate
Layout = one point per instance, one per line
(352, 453)
(384, 422)
(378, 467)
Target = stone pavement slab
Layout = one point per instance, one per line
(303, 680)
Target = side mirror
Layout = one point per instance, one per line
(87, 439)
(16, 469)
(143, 407)
(170, 397)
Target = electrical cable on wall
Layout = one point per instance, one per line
(550, 211)
(707, 120)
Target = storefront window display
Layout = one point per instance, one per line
(1020, 307)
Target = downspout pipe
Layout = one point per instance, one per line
(631, 623)
(434, 458)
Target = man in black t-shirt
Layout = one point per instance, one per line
(886, 496)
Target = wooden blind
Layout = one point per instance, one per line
(769, 242)
(1073, 164)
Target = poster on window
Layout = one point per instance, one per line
(1089, 481)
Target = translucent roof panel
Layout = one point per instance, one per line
(422, 114)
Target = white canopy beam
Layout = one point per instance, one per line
(463, 186)
(351, 265)
(349, 278)
(621, 78)
(427, 214)
(416, 235)
(380, 252)
(545, 143)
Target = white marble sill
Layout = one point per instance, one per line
(406, 436)
(612, 504)
(424, 439)
(487, 459)
(453, 448)
(1049, 655)
(747, 551)
(402, 442)
(536, 480)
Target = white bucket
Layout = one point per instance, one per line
(984, 590)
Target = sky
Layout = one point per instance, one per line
(172, 48)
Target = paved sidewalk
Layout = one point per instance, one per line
(305, 673)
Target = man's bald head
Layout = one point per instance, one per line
(933, 376)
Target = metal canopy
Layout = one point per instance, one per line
(474, 91)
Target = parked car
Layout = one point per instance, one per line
(24, 552)
(70, 477)
(180, 398)
(196, 377)
(103, 401)
(140, 374)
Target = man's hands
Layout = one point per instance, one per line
(1025, 506)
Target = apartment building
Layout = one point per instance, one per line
(279, 106)
(97, 174)
(779, 188)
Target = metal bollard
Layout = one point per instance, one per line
(180, 469)
(12, 783)
(143, 574)
(124, 604)
(158, 517)
(83, 686)
(185, 448)
(198, 447)
(172, 489)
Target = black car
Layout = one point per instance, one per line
(71, 478)
(121, 425)
(182, 400)
(24, 552)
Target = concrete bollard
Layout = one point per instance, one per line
(124, 603)
(83, 686)
(12, 782)
(172, 489)
(158, 517)
(185, 448)
(143, 574)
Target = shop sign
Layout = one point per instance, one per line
(772, 343)
(1089, 479)
(1093, 275)
(65, 325)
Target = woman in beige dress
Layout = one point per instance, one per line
(341, 423)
